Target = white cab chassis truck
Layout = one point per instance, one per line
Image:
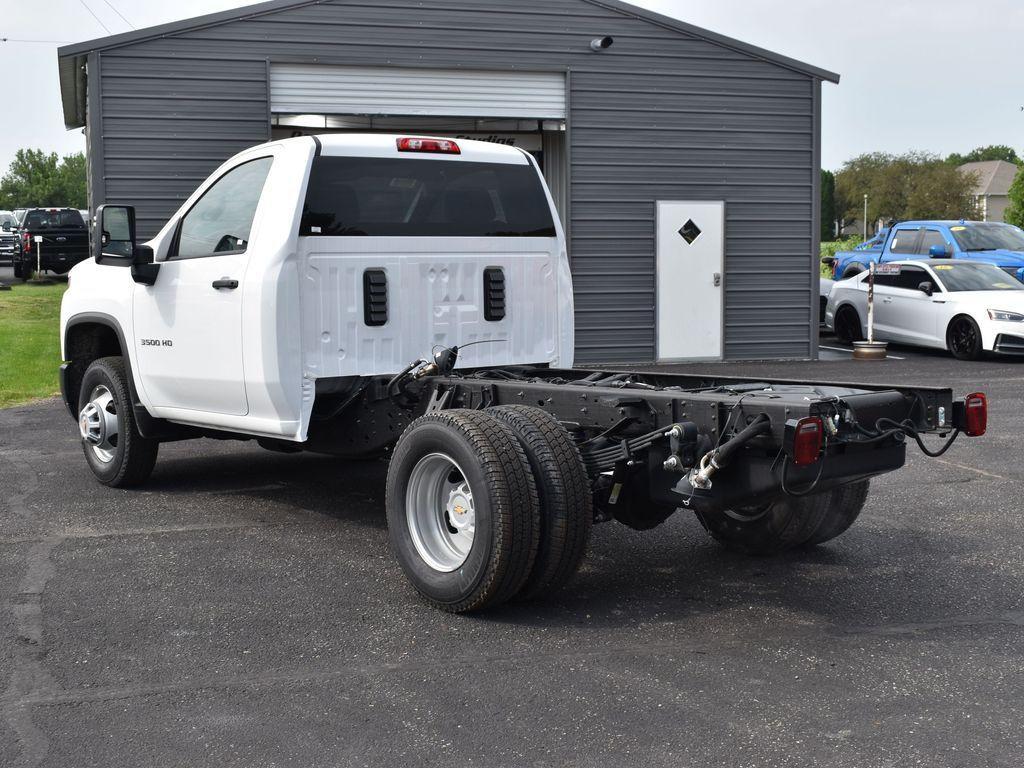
(410, 298)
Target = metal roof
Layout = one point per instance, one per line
(995, 177)
(71, 58)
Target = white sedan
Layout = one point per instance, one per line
(966, 308)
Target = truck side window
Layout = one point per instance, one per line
(220, 222)
(928, 239)
(904, 241)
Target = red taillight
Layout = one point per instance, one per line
(436, 146)
(804, 440)
(975, 415)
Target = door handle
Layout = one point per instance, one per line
(225, 284)
(718, 279)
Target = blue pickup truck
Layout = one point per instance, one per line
(988, 242)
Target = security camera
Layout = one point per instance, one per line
(601, 43)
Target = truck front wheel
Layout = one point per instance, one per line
(770, 529)
(117, 454)
(463, 511)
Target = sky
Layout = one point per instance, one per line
(933, 75)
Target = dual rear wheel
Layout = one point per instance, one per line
(485, 507)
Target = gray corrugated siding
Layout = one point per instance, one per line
(660, 116)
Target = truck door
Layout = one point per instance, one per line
(188, 327)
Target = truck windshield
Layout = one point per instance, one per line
(975, 277)
(381, 197)
(54, 220)
(989, 237)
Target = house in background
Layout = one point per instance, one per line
(992, 192)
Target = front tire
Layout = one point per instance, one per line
(963, 339)
(116, 453)
(463, 511)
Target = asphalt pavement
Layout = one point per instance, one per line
(244, 610)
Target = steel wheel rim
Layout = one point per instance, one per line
(99, 425)
(440, 512)
(964, 338)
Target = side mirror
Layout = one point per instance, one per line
(926, 288)
(7, 226)
(113, 243)
(828, 261)
(1020, 274)
(938, 252)
(113, 237)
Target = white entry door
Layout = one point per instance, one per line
(691, 280)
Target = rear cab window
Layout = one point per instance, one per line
(70, 219)
(405, 197)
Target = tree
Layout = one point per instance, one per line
(1015, 213)
(993, 152)
(37, 178)
(915, 185)
(828, 205)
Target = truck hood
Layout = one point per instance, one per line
(1000, 258)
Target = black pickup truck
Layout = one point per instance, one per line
(64, 241)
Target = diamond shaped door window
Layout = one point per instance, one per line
(690, 232)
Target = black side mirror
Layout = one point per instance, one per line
(926, 288)
(113, 243)
(113, 237)
(828, 261)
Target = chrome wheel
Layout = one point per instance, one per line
(440, 512)
(99, 425)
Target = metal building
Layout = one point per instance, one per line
(685, 164)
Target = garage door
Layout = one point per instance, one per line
(316, 89)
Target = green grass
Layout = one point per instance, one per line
(29, 342)
(832, 248)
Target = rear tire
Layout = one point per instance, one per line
(846, 504)
(462, 508)
(19, 271)
(566, 502)
(116, 453)
(848, 327)
(769, 530)
(963, 338)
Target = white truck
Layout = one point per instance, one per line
(410, 298)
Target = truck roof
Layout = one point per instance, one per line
(943, 222)
(386, 145)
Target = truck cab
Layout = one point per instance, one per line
(1001, 245)
(314, 262)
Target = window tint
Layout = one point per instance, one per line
(54, 220)
(989, 237)
(904, 241)
(886, 281)
(381, 197)
(928, 239)
(911, 278)
(221, 221)
(975, 277)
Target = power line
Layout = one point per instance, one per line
(111, 6)
(98, 19)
